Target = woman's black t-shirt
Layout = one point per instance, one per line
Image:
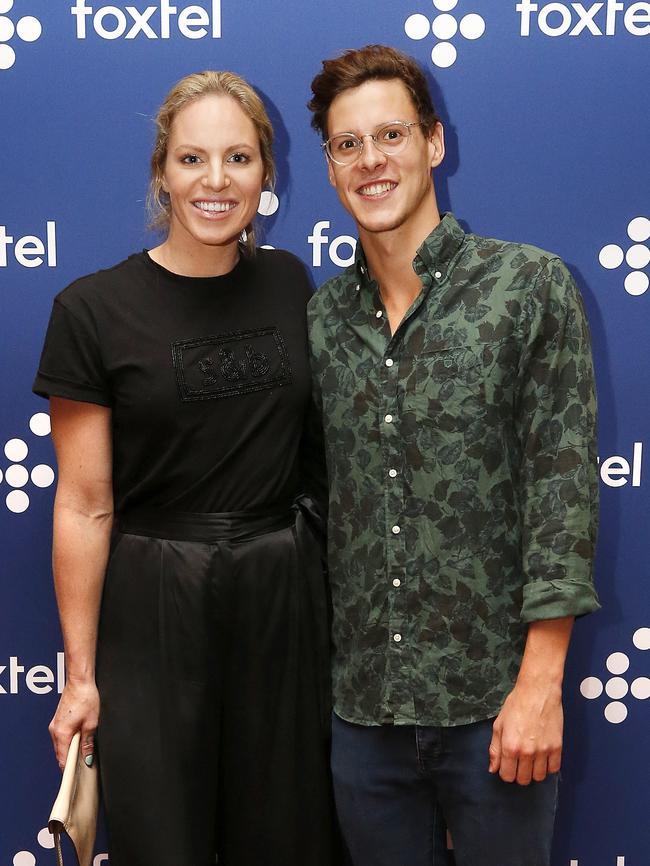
(207, 378)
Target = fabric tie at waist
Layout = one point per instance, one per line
(208, 527)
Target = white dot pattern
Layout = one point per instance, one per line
(617, 663)
(472, 26)
(417, 26)
(16, 475)
(16, 450)
(444, 26)
(40, 425)
(611, 256)
(17, 501)
(6, 29)
(616, 712)
(616, 688)
(640, 688)
(42, 475)
(269, 203)
(29, 29)
(443, 55)
(45, 838)
(639, 229)
(641, 638)
(637, 283)
(24, 858)
(591, 688)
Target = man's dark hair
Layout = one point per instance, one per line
(358, 65)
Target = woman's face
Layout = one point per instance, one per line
(213, 173)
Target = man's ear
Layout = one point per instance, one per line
(437, 145)
(330, 170)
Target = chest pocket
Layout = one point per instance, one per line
(449, 382)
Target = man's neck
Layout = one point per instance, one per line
(390, 258)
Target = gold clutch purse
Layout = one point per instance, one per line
(75, 808)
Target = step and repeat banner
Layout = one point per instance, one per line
(547, 114)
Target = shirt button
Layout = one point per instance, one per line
(392, 473)
(379, 314)
(396, 530)
(389, 362)
(357, 288)
(437, 275)
(397, 582)
(397, 638)
(388, 418)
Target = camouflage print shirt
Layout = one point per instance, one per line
(463, 478)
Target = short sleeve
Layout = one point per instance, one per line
(71, 364)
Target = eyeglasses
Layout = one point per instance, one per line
(391, 139)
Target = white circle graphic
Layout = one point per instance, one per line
(640, 688)
(445, 5)
(444, 54)
(16, 475)
(24, 858)
(6, 29)
(637, 283)
(42, 475)
(6, 6)
(7, 57)
(29, 28)
(591, 688)
(611, 256)
(472, 26)
(638, 256)
(616, 712)
(444, 26)
(17, 501)
(16, 450)
(617, 663)
(639, 229)
(641, 638)
(39, 424)
(269, 203)
(417, 26)
(45, 838)
(616, 688)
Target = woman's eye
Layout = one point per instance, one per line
(239, 157)
(191, 159)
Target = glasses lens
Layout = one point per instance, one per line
(393, 137)
(344, 148)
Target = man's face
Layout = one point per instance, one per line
(382, 192)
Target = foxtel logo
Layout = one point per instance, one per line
(598, 19)
(40, 679)
(154, 22)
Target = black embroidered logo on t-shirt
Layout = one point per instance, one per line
(229, 364)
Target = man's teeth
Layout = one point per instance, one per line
(377, 188)
(214, 206)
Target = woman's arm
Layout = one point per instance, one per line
(83, 519)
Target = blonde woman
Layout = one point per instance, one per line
(186, 560)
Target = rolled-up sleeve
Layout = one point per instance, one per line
(555, 417)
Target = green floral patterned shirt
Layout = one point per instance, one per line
(461, 456)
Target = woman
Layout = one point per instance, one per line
(187, 573)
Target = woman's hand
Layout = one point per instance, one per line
(78, 710)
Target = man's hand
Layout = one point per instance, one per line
(527, 734)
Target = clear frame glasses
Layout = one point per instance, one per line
(391, 138)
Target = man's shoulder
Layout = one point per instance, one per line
(514, 253)
(334, 290)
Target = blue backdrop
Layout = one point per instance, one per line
(547, 116)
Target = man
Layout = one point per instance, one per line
(457, 394)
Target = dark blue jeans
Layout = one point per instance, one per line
(397, 787)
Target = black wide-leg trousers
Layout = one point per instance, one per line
(212, 672)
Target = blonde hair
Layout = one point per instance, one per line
(185, 91)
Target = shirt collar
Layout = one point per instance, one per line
(435, 253)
